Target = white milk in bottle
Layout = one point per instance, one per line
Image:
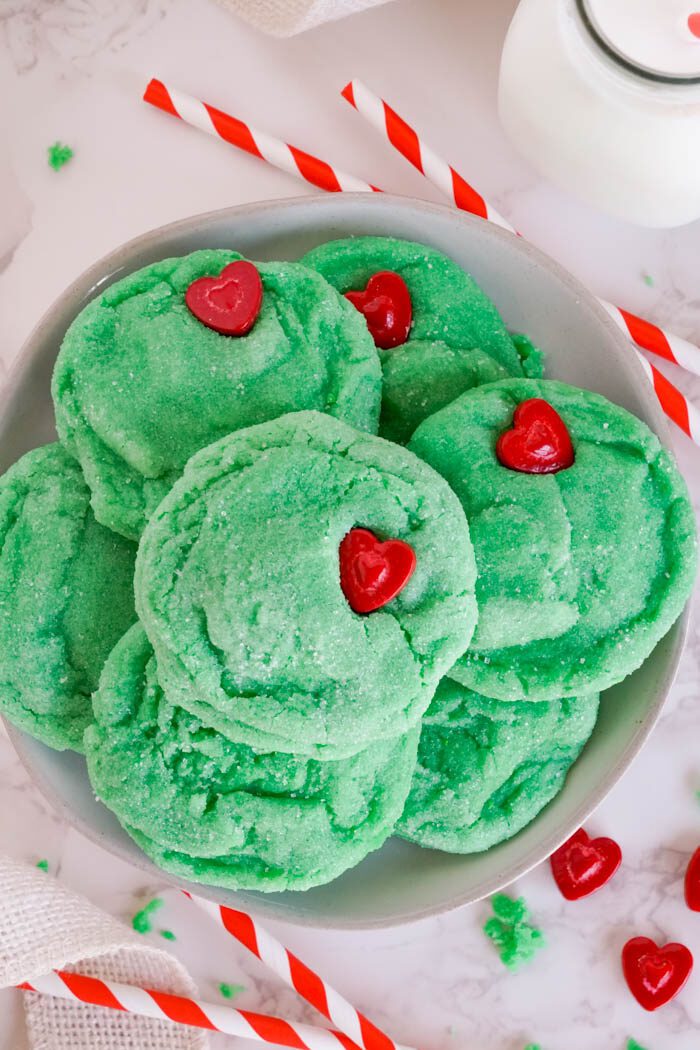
(603, 97)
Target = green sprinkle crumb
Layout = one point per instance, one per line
(533, 1046)
(512, 911)
(632, 1044)
(230, 991)
(142, 919)
(512, 935)
(648, 280)
(43, 865)
(168, 935)
(58, 155)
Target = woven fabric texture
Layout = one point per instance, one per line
(287, 17)
(44, 926)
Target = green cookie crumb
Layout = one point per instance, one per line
(43, 865)
(168, 935)
(533, 1046)
(509, 910)
(632, 1044)
(514, 938)
(649, 282)
(141, 921)
(230, 991)
(59, 154)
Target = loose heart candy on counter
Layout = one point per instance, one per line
(386, 305)
(230, 303)
(692, 882)
(582, 865)
(373, 572)
(655, 974)
(538, 442)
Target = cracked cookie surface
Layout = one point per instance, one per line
(238, 587)
(457, 339)
(140, 384)
(580, 572)
(66, 596)
(219, 812)
(486, 768)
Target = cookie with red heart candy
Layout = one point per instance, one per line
(186, 350)
(583, 532)
(437, 333)
(305, 586)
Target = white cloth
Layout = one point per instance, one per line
(286, 17)
(43, 927)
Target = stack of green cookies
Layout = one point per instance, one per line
(278, 637)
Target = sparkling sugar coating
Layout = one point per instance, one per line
(140, 384)
(457, 340)
(221, 813)
(66, 596)
(580, 573)
(487, 767)
(238, 587)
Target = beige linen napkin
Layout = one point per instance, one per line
(44, 926)
(286, 17)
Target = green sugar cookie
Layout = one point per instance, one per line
(66, 596)
(487, 767)
(218, 812)
(238, 587)
(457, 339)
(580, 572)
(140, 384)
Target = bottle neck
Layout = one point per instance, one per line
(613, 52)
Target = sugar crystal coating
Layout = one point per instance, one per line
(140, 384)
(580, 573)
(457, 340)
(66, 596)
(486, 768)
(206, 808)
(238, 587)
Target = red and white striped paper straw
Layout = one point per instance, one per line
(403, 138)
(674, 403)
(248, 932)
(656, 340)
(643, 333)
(234, 131)
(164, 1006)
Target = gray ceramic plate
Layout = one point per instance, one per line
(400, 882)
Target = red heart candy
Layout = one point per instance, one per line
(538, 442)
(692, 882)
(386, 305)
(655, 975)
(371, 572)
(229, 303)
(582, 865)
(694, 23)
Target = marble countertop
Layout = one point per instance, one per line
(73, 70)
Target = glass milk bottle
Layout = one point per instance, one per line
(603, 97)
